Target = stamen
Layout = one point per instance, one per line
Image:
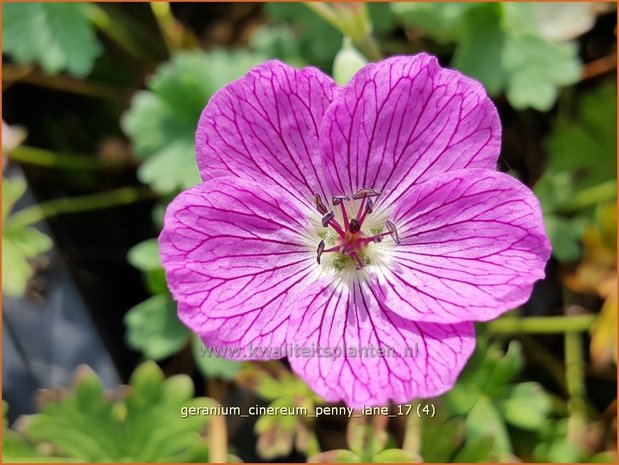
(360, 263)
(339, 200)
(327, 219)
(322, 209)
(365, 192)
(369, 208)
(320, 250)
(393, 231)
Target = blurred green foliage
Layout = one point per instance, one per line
(162, 120)
(499, 44)
(580, 170)
(141, 423)
(20, 243)
(59, 36)
(525, 51)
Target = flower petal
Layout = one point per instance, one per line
(233, 253)
(264, 127)
(472, 245)
(404, 120)
(417, 360)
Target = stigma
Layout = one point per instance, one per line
(351, 242)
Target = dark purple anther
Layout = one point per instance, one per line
(365, 192)
(339, 198)
(327, 219)
(320, 250)
(369, 206)
(319, 205)
(393, 231)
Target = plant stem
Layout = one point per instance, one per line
(575, 380)
(592, 196)
(218, 440)
(36, 213)
(167, 24)
(412, 435)
(113, 29)
(49, 159)
(542, 324)
(14, 73)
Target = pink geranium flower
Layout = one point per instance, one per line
(363, 229)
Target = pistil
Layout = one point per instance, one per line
(352, 241)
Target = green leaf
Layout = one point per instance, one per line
(554, 446)
(440, 21)
(145, 255)
(212, 366)
(500, 44)
(485, 420)
(536, 69)
(139, 424)
(481, 31)
(586, 148)
(59, 36)
(278, 41)
(476, 450)
(565, 237)
(19, 245)
(154, 329)
(13, 189)
(441, 438)
(526, 406)
(162, 121)
(505, 367)
(394, 456)
(317, 40)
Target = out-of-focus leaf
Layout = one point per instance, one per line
(485, 420)
(395, 456)
(587, 147)
(317, 40)
(506, 367)
(143, 424)
(536, 69)
(13, 189)
(162, 121)
(441, 438)
(477, 450)
(440, 21)
(335, 456)
(500, 45)
(59, 36)
(565, 236)
(274, 382)
(210, 365)
(526, 406)
(154, 329)
(480, 30)
(554, 446)
(20, 244)
(278, 41)
(145, 257)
